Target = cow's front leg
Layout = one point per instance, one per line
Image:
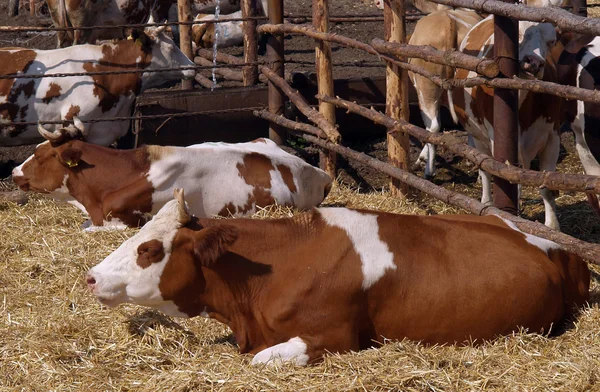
(294, 351)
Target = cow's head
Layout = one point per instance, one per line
(535, 42)
(165, 54)
(163, 265)
(52, 162)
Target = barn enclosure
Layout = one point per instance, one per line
(333, 87)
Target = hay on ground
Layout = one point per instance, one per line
(55, 336)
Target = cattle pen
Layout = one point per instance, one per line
(74, 344)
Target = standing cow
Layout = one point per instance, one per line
(335, 279)
(443, 30)
(119, 188)
(579, 65)
(85, 96)
(539, 114)
(86, 13)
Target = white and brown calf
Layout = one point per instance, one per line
(336, 280)
(539, 114)
(579, 65)
(87, 96)
(119, 188)
(443, 30)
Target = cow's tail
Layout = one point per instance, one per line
(575, 276)
(451, 106)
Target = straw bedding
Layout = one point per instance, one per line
(55, 336)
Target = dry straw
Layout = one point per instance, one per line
(55, 336)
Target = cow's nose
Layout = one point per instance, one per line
(20, 181)
(532, 65)
(91, 282)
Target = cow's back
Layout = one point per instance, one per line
(465, 283)
(233, 179)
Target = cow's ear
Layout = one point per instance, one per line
(70, 156)
(213, 242)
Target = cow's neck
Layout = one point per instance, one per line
(237, 286)
(103, 171)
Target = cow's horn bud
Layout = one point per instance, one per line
(184, 215)
(52, 136)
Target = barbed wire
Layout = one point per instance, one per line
(129, 118)
(127, 71)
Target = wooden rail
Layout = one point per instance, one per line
(586, 250)
(550, 180)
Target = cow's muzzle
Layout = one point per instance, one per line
(532, 66)
(21, 182)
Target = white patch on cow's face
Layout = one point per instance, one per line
(118, 278)
(535, 42)
(294, 350)
(363, 231)
(541, 243)
(18, 171)
(165, 54)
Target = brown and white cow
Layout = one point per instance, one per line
(87, 96)
(579, 65)
(225, 34)
(86, 13)
(335, 279)
(443, 30)
(539, 114)
(120, 187)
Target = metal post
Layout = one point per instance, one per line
(250, 72)
(324, 76)
(185, 35)
(506, 125)
(397, 94)
(275, 56)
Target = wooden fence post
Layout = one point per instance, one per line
(250, 72)
(13, 8)
(275, 55)
(324, 77)
(397, 94)
(185, 35)
(506, 108)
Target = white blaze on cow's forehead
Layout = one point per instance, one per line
(120, 279)
(363, 231)
(541, 243)
(294, 351)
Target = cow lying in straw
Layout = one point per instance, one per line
(119, 188)
(539, 114)
(335, 279)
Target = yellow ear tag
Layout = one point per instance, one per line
(138, 42)
(71, 163)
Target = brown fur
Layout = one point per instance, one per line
(123, 56)
(269, 285)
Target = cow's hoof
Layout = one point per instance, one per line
(86, 224)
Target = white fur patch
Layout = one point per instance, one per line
(294, 350)
(363, 231)
(541, 243)
(209, 175)
(120, 279)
